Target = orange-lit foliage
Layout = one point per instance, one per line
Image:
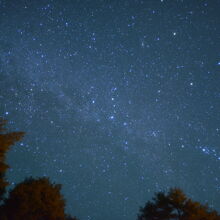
(175, 205)
(6, 140)
(35, 199)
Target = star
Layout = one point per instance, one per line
(117, 99)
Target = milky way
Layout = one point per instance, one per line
(118, 99)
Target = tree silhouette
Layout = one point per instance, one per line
(175, 205)
(32, 199)
(35, 199)
(6, 140)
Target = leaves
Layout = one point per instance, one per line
(35, 199)
(32, 199)
(175, 205)
(6, 140)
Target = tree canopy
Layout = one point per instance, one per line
(7, 139)
(32, 199)
(175, 205)
(39, 199)
(35, 199)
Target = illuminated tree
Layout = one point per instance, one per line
(35, 199)
(6, 141)
(175, 205)
(32, 199)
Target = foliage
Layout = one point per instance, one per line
(6, 140)
(32, 199)
(175, 205)
(35, 199)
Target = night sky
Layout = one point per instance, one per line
(118, 99)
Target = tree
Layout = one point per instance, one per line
(175, 205)
(35, 199)
(32, 199)
(6, 140)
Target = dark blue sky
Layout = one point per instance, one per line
(118, 99)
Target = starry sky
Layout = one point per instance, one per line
(118, 99)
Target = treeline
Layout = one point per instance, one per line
(39, 199)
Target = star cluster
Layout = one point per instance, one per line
(118, 99)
